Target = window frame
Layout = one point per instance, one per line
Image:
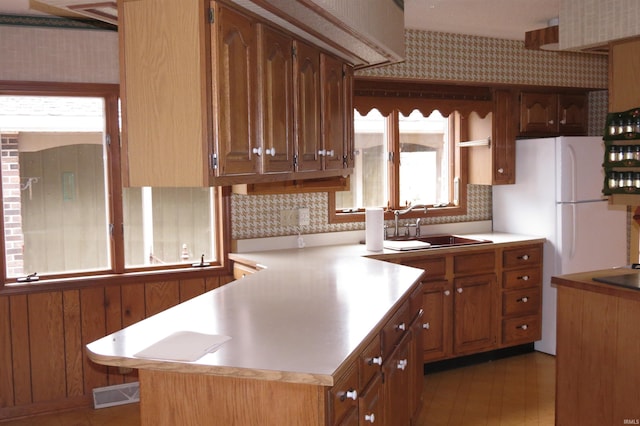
(116, 272)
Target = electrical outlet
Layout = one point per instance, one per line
(303, 216)
(289, 217)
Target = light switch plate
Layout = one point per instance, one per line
(303, 216)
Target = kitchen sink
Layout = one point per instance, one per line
(431, 241)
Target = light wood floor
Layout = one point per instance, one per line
(517, 391)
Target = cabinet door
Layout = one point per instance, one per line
(333, 112)
(504, 138)
(370, 404)
(416, 366)
(165, 135)
(437, 302)
(275, 67)
(307, 107)
(396, 387)
(474, 314)
(572, 114)
(349, 150)
(234, 90)
(538, 113)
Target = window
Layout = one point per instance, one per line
(65, 212)
(423, 146)
(406, 147)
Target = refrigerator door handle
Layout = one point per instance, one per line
(574, 177)
(574, 224)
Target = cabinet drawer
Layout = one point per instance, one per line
(474, 262)
(521, 329)
(343, 395)
(370, 361)
(395, 329)
(521, 302)
(527, 277)
(522, 256)
(434, 267)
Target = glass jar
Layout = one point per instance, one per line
(628, 153)
(613, 180)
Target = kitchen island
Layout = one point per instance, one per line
(598, 348)
(305, 334)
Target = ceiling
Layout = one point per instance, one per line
(507, 19)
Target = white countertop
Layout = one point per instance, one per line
(296, 321)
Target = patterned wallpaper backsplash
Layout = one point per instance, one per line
(258, 216)
(440, 57)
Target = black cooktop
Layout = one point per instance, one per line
(628, 280)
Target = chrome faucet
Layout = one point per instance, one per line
(397, 213)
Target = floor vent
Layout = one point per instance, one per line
(109, 396)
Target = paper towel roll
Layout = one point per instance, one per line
(374, 228)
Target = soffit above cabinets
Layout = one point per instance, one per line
(361, 32)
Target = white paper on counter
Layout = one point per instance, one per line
(183, 346)
(374, 228)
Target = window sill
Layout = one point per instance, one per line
(72, 283)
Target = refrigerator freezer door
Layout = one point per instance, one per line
(579, 167)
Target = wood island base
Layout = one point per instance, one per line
(170, 398)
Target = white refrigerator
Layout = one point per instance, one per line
(558, 195)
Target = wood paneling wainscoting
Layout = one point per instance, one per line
(43, 366)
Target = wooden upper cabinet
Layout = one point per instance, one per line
(234, 88)
(504, 133)
(350, 154)
(624, 66)
(212, 95)
(333, 112)
(572, 114)
(307, 106)
(275, 68)
(164, 91)
(553, 114)
(495, 163)
(538, 113)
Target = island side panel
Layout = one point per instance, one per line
(169, 398)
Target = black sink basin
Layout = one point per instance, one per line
(444, 240)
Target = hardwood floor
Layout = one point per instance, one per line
(517, 391)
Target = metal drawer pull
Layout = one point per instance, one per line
(426, 326)
(523, 299)
(524, 257)
(402, 364)
(401, 327)
(524, 278)
(370, 418)
(523, 326)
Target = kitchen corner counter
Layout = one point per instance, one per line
(598, 379)
(298, 321)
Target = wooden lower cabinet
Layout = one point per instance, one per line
(473, 313)
(479, 299)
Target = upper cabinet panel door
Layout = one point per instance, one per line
(504, 138)
(276, 79)
(572, 114)
(349, 151)
(307, 107)
(234, 90)
(333, 112)
(165, 139)
(538, 113)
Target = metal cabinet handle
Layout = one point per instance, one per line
(447, 292)
(523, 299)
(270, 151)
(426, 326)
(370, 418)
(257, 151)
(352, 394)
(460, 290)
